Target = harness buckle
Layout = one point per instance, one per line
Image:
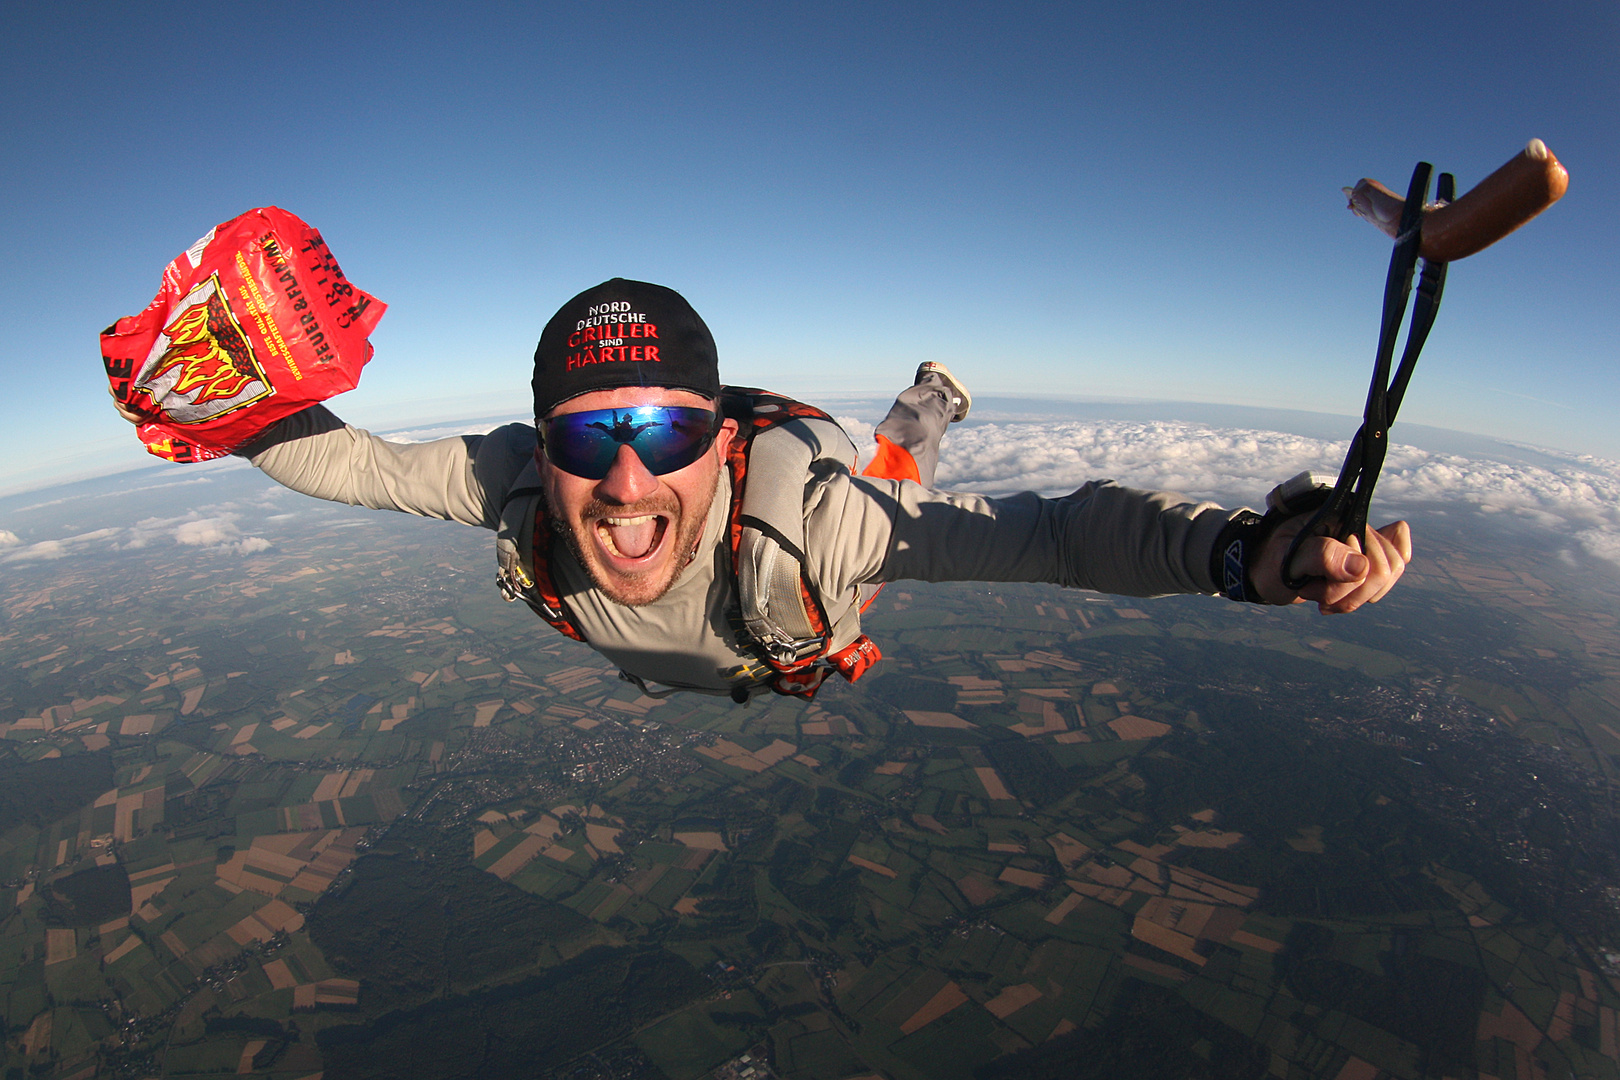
(790, 650)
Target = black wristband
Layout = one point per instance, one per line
(1238, 545)
(1242, 538)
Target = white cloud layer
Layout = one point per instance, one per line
(442, 431)
(1577, 497)
(192, 530)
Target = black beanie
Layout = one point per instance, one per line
(623, 333)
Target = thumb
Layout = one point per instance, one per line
(1345, 562)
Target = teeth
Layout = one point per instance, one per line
(643, 519)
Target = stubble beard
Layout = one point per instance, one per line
(635, 591)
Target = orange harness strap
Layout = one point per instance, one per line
(758, 410)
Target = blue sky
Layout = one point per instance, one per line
(1091, 201)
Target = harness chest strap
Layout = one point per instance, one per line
(537, 590)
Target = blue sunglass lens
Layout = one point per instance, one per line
(666, 439)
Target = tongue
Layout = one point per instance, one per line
(634, 541)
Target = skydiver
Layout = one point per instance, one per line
(723, 542)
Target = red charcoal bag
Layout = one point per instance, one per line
(254, 322)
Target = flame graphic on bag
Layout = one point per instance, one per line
(214, 358)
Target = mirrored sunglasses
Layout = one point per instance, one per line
(665, 438)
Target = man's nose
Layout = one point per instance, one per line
(628, 481)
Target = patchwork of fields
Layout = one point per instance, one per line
(334, 806)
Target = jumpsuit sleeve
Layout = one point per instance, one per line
(463, 478)
(1104, 536)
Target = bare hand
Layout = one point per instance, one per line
(134, 416)
(1343, 576)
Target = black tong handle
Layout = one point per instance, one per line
(1344, 513)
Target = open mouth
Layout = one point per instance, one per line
(632, 538)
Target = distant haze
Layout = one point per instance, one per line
(1222, 453)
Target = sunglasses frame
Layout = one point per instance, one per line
(623, 427)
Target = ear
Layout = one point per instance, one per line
(728, 432)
